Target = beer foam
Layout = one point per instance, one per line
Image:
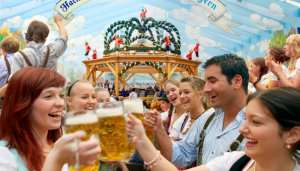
(133, 106)
(106, 112)
(81, 119)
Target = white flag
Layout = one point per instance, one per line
(66, 7)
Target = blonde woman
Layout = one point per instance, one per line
(171, 88)
(193, 102)
(81, 96)
(292, 50)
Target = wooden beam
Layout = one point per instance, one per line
(92, 72)
(94, 76)
(117, 79)
(172, 71)
(112, 69)
(88, 72)
(101, 73)
(135, 58)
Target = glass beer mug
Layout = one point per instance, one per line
(135, 107)
(87, 122)
(114, 141)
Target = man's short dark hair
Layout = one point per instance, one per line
(231, 65)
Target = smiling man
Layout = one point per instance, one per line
(211, 135)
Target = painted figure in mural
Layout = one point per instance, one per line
(143, 14)
(196, 49)
(167, 41)
(189, 55)
(87, 49)
(118, 40)
(94, 54)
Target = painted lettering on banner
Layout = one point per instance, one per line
(66, 7)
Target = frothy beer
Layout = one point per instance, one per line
(136, 107)
(114, 141)
(133, 106)
(88, 123)
(85, 122)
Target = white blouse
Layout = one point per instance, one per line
(225, 162)
(175, 129)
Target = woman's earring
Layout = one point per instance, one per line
(288, 146)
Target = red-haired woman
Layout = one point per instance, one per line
(30, 121)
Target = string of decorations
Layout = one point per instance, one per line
(156, 65)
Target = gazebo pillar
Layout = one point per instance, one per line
(117, 77)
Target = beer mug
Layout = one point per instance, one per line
(87, 122)
(114, 141)
(136, 108)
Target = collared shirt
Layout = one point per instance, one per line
(36, 53)
(217, 140)
(3, 69)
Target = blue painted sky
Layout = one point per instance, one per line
(244, 28)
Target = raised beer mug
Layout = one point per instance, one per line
(114, 141)
(135, 107)
(87, 122)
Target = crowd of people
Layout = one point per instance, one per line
(243, 115)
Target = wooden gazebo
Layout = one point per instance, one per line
(124, 65)
(142, 49)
